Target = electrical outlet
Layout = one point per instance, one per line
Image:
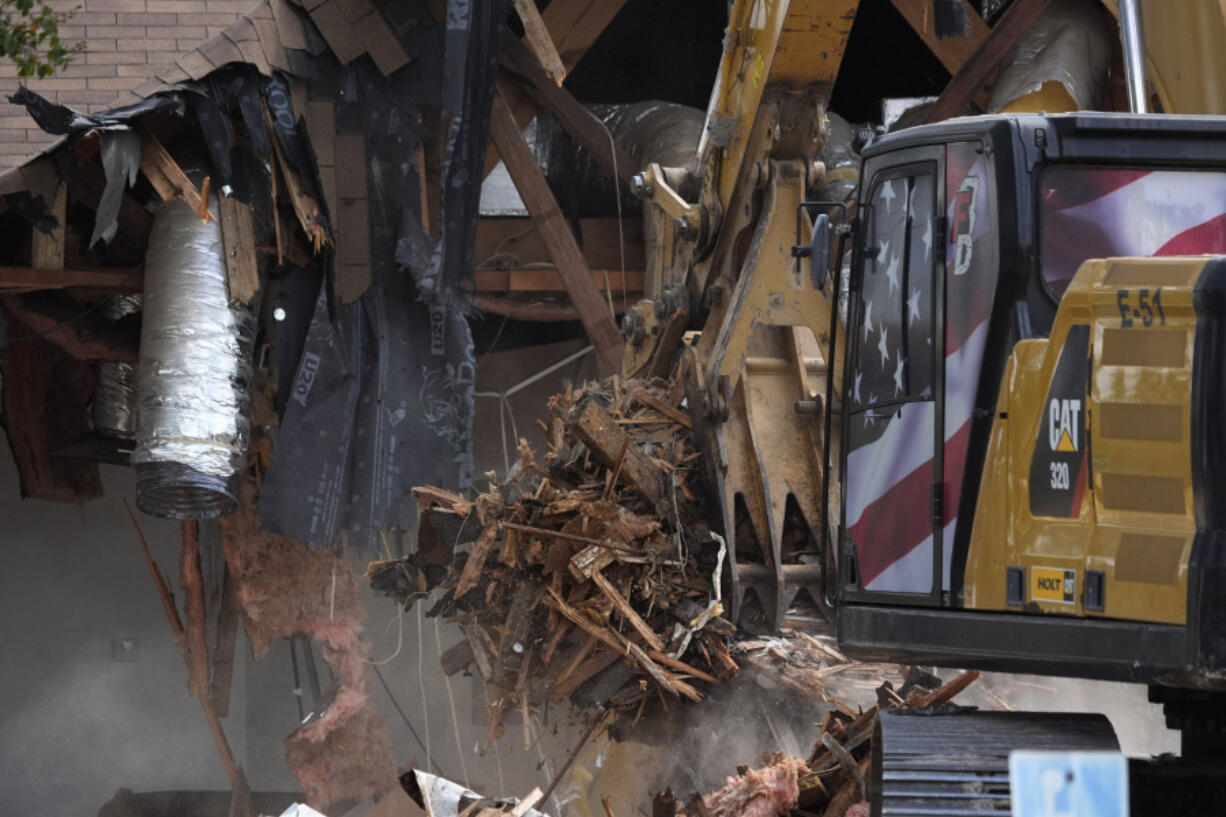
(125, 649)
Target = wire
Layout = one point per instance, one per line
(455, 719)
(621, 238)
(64, 324)
(399, 639)
(421, 684)
(429, 761)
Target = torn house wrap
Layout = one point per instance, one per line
(194, 372)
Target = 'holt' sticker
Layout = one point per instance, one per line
(1053, 584)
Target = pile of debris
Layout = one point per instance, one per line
(812, 667)
(592, 569)
(833, 780)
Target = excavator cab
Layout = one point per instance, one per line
(1028, 421)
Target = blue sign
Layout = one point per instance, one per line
(1068, 784)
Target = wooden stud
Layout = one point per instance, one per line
(47, 251)
(1006, 34)
(238, 243)
(567, 257)
(222, 660)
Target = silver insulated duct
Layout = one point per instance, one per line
(192, 401)
(114, 409)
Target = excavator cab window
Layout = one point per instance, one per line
(891, 419)
(1102, 212)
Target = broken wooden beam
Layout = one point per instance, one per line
(543, 207)
(1004, 37)
(627, 612)
(238, 244)
(222, 659)
(306, 208)
(47, 250)
(600, 433)
(167, 178)
(190, 579)
(238, 781)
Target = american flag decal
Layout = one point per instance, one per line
(891, 445)
(1085, 212)
(1094, 212)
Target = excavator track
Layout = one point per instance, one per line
(956, 764)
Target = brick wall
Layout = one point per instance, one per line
(128, 41)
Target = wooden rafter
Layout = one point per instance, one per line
(537, 36)
(578, 121)
(1005, 35)
(567, 257)
(573, 26)
(952, 51)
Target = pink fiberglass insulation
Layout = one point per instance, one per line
(327, 770)
(765, 792)
(286, 589)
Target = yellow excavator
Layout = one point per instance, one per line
(973, 414)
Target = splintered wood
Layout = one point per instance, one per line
(591, 571)
(833, 780)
